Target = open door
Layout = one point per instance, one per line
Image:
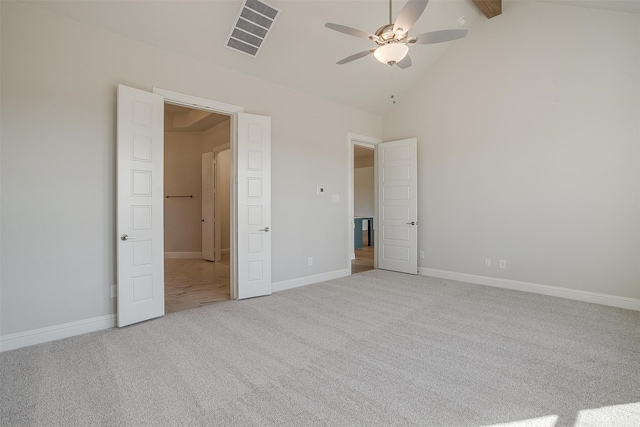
(254, 205)
(398, 206)
(208, 207)
(140, 217)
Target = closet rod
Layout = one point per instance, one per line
(191, 196)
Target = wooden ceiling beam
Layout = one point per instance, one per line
(490, 8)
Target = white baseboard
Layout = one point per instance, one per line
(574, 294)
(183, 254)
(225, 251)
(309, 280)
(52, 333)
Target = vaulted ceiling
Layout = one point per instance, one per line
(299, 52)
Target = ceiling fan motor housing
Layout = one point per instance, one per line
(386, 35)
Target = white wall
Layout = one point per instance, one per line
(58, 124)
(220, 134)
(528, 149)
(183, 177)
(363, 191)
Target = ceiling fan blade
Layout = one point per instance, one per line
(356, 56)
(409, 15)
(405, 63)
(348, 30)
(438, 36)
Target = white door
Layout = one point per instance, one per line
(398, 206)
(140, 218)
(254, 205)
(207, 207)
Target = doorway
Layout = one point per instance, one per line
(140, 200)
(363, 208)
(197, 207)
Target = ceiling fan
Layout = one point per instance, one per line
(393, 39)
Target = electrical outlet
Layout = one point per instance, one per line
(335, 198)
(310, 261)
(503, 264)
(114, 291)
(421, 254)
(320, 190)
(487, 262)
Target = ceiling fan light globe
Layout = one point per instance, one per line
(391, 53)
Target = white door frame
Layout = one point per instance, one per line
(189, 101)
(354, 139)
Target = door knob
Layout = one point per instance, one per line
(264, 229)
(411, 223)
(126, 237)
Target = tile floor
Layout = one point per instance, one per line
(364, 257)
(191, 283)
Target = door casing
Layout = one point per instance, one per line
(189, 101)
(354, 139)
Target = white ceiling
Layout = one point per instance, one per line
(632, 6)
(299, 52)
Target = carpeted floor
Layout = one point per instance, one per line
(376, 348)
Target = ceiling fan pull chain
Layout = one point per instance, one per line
(393, 85)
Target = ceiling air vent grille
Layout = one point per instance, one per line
(252, 27)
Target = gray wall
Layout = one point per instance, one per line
(58, 124)
(529, 149)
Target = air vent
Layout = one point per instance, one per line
(252, 27)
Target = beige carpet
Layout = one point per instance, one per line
(376, 348)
